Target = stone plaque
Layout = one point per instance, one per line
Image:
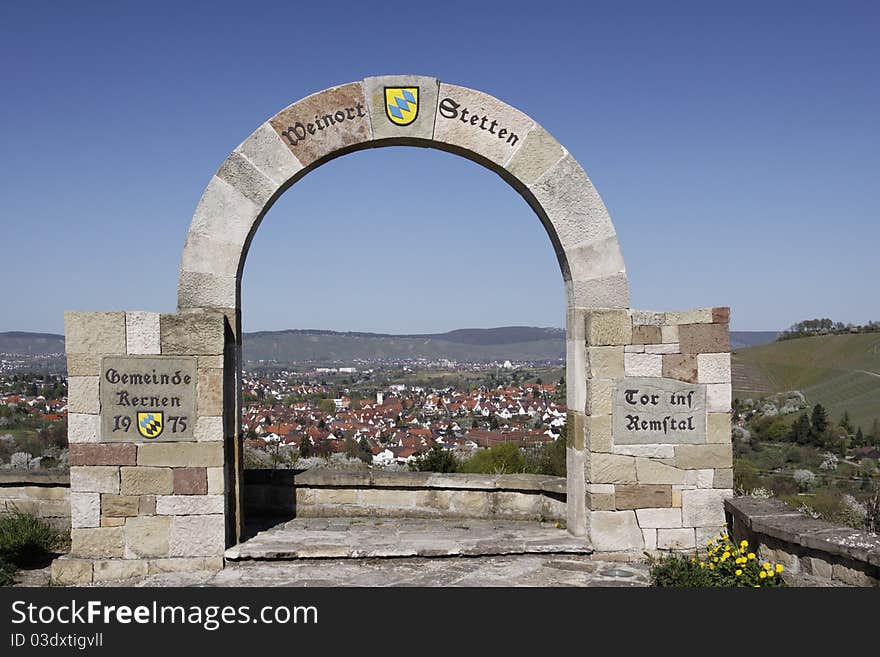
(148, 398)
(651, 410)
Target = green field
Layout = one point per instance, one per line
(841, 372)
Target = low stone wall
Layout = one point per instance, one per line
(814, 552)
(316, 493)
(41, 493)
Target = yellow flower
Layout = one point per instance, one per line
(751, 556)
(743, 543)
(726, 555)
(762, 574)
(767, 565)
(738, 572)
(702, 564)
(770, 573)
(715, 559)
(779, 568)
(711, 566)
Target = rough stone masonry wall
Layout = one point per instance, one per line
(142, 507)
(41, 493)
(666, 495)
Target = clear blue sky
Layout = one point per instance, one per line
(735, 146)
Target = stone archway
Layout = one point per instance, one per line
(469, 123)
(155, 399)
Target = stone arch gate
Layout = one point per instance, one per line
(155, 399)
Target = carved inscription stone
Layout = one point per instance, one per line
(148, 398)
(650, 410)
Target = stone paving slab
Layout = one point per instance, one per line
(335, 538)
(530, 570)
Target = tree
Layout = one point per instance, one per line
(860, 438)
(801, 430)
(305, 447)
(845, 422)
(819, 422)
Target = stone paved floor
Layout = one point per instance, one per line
(542, 570)
(304, 538)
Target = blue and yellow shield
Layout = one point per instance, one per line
(401, 104)
(150, 425)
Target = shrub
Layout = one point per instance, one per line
(7, 573)
(506, 458)
(436, 460)
(25, 539)
(724, 564)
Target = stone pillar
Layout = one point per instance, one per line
(150, 499)
(657, 428)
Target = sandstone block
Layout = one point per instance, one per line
(82, 394)
(703, 507)
(676, 539)
(704, 338)
(106, 542)
(183, 565)
(721, 315)
(718, 397)
(680, 366)
(696, 316)
(601, 502)
(650, 471)
(666, 348)
(605, 362)
(210, 392)
(659, 518)
(112, 522)
(147, 481)
(266, 151)
(197, 536)
(111, 570)
(190, 481)
(600, 396)
(94, 332)
(608, 327)
(696, 457)
(598, 433)
(713, 368)
(615, 531)
(612, 469)
(192, 334)
(723, 478)
(592, 261)
(102, 454)
(576, 433)
(181, 455)
(205, 289)
(240, 173)
(669, 334)
(71, 572)
(94, 479)
(142, 333)
(654, 451)
(85, 510)
(173, 505)
(342, 121)
(83, 364)
(147, 536)
(209, 428)
(643, 364)
(539, 152)
(648, 317)
(719, 428)
(642, 496)
(650, 537)
(634, 349)
(422, 126)
(119, 506)
(82, 428)
(45, 492)
(216, 481)
(147, 505)
(646, 334)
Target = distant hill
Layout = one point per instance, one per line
(841, 372)
(474, 345)
(741, 339)
(31, 344)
